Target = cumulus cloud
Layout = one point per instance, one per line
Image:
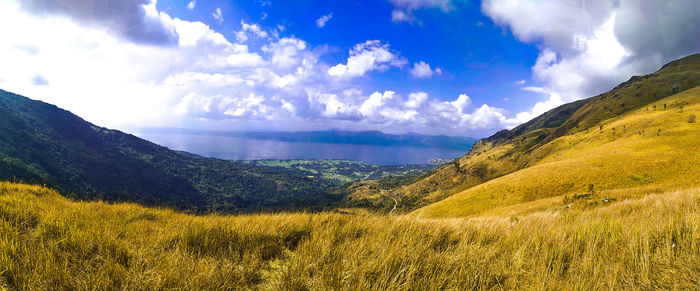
(422, 70)
(207, 81)
(416, 99)
(416, 112)
(321, 21)
(217, 15)
(587, 47)
(403, 9)
(248, 30)
(98, 75)
(285, 51)
(134, 20)
(191, 5)
(365, 57)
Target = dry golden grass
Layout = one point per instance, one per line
(526, 145)
(656, 148)
(48, 242)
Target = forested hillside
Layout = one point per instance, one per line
(43, 144)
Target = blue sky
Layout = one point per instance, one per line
(453, 67)
(473, 54)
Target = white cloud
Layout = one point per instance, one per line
(205, 81)
(365, 57)
(403, 9)
(521, 82)
(217, 15)
(418, 112)
(423, 70)
(93, 72)
(461, 103)
(370, 108)
(416, 99)
(587, 47)
(535, 89)
(321, 21)
(191, 5)
(401, 16)
(250, 29)
(285, 52)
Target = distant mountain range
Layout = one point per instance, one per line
(338, 137)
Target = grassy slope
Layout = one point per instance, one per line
(49, 242)
(629, 152)
(511, 150)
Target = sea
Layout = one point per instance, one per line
(241, 148)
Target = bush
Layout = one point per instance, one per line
(691, 119)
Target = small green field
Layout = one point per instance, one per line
(344, 171)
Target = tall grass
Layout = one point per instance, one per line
(636, 150)
(49, 242)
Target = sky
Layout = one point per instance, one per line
(455, 67)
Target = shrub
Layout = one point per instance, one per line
(691, 119)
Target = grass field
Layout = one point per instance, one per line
(653, 150)
(48, 242)
(573, 129)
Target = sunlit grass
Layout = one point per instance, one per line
(639, 149)
(49, 242)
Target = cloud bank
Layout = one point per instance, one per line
(165, 71)
(588, 47)
(199, 79)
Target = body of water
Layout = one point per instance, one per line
(237, 148)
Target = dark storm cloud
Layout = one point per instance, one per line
(658, 31)
(127, 18)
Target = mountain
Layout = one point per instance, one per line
(43, 144)
(340, 137)
(640, 137)
(613, 135)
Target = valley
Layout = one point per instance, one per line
(601, 193)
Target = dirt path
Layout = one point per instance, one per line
(396, 202)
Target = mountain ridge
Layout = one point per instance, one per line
(508, 151)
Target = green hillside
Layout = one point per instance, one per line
(526, 145)
(43, 144)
